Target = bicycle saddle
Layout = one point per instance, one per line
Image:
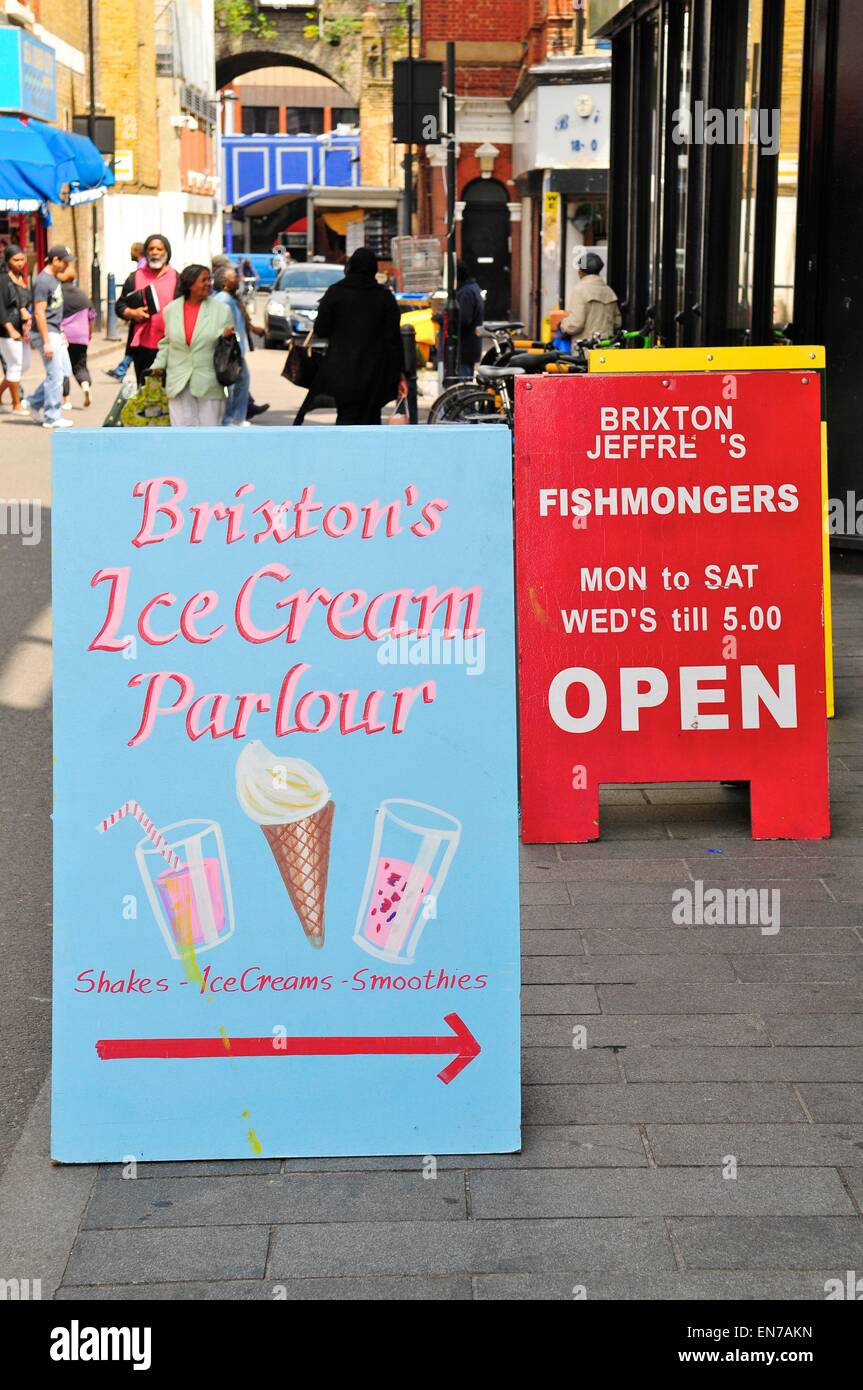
(534, 362)
(499, 326)
(498, 373)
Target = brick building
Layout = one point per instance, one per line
(505, 50)
(62, 26)
(155, 75)
(491, 45)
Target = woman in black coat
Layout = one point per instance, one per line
(364, 367)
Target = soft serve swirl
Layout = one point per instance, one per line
(273, 790)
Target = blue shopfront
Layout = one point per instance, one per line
(39, 163)
(302, 192)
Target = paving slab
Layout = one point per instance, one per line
(815, 1030)
(302, 1197)
(766, 1145)
(726, 941)
(443, 1290)
(834, 1102)
(661, 1192)
(743, 1064)
(681, 968)
(682, 1287)
(660, 1030)
(770, 1242)
(642, 1102)
(827, 998)
(190, 1253)
(474, 1247)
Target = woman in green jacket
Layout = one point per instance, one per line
(193, 326)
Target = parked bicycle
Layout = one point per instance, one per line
(490, 397)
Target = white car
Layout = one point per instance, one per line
(292, 307)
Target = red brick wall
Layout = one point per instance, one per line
(490, 21)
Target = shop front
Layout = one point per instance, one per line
(561, 147)
(40, 165)
(736, 205)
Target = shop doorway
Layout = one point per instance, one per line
(485, 243)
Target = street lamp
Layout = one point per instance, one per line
(487, 154)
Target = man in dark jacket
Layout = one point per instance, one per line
(471, 312)
(363, 368)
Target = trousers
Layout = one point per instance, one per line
(48, 395)
(186, 410)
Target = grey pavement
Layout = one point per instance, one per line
(705, 1143)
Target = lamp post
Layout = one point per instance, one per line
(409, 149)
(95, 268)
(451, 316)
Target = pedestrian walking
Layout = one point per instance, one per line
(146, 293)
(15, 322)
(594, 311)
(226, 283)
(193, 325)
(363, 367)
(46, 402)
(471, 313)
(136, 251)
(78, 319)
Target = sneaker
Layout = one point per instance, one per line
(35, 415)
(58, 424)
(67, 405)
(22, 409)
(86, 390)
(257, 409)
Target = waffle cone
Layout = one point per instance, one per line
(301, 850)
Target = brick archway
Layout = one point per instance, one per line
(341, 62)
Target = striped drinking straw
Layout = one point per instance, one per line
(158, 841)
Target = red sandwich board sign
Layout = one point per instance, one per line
(670, 594)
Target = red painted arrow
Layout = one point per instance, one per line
(460, 1042)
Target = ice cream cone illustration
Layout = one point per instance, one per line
(290, 801)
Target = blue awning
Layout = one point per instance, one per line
(40, 164)
(79, 164)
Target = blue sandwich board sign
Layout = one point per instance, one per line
(285, 839)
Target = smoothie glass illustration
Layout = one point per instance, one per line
(190, 896)
(412, 848)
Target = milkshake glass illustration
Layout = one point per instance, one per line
(191, 895)
(412, 848)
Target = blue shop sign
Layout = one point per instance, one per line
(28, 75)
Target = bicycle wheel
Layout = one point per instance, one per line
(475, 406)
(439, 408)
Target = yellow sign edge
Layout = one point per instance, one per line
(732, 359)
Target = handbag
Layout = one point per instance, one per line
(149, 406)
(395, 418)
(126, 393)
(228, 360)
(301, 366)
